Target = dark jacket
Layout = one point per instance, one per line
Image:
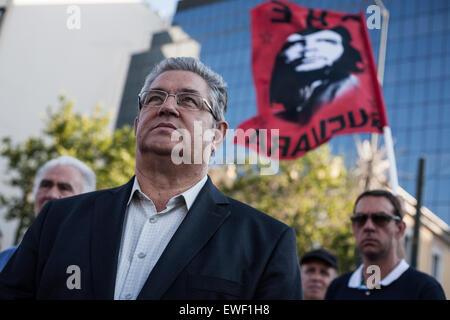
(223, 249)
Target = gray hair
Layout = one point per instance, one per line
(217, 94)
(87, 173)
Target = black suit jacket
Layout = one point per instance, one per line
(223, 249)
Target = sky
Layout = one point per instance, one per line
(166, 8)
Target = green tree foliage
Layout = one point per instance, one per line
(313, 194)
(88, 138)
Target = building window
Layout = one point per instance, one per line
(436, 265)
(2, 14)
(407, 244)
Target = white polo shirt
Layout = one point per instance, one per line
(355, 280)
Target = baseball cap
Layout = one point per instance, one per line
(320, 254)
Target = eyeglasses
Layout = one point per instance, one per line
(381, 219)
(185, 100)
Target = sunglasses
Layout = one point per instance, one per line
(380, 219)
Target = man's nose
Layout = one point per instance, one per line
(169, 106)
(54, 193)
(316, 276)
(368, 225)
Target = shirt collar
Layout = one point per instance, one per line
(356, 277)
(189, 195)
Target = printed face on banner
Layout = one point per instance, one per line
(320, 49)
(315, 64)
(314, 77)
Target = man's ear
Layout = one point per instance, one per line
(136, 120)
(219, 134)
(401, 227)
(402, 204)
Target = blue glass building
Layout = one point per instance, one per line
(416, 83)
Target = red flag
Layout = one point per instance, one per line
(315, 78)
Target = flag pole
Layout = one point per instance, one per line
(383, 41)
(391, 158)
(381, 59)
(380, 75)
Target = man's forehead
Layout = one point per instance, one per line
(316, 263)
(62, 174)
(180, 80)
(370, 204)
(323, 34)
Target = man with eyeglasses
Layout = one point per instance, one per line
(168, 233)
(378, 226)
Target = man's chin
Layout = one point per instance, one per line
(316, 291)
(39, 206)
(163, 151)
(315, 295)
(163, 148)
(371, 253)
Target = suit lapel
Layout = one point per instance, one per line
(108, 217)
(206, 215)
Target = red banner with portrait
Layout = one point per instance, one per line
(315, 78)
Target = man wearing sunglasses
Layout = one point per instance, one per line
(378, 227)
(168, 233)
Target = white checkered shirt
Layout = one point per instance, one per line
(145, 235)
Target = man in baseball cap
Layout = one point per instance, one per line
(318, 269)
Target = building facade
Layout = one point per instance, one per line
(415, 88)
(433, 256)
